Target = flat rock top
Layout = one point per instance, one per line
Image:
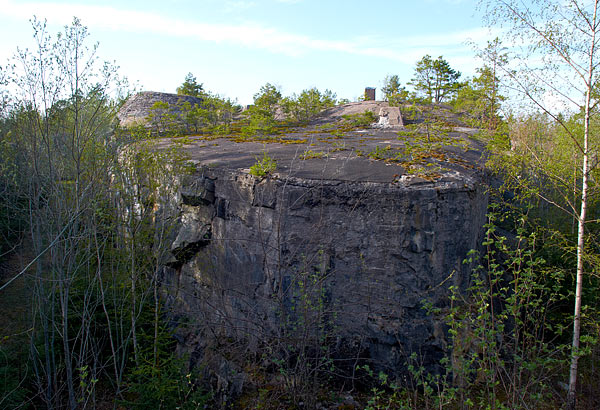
(329, 149)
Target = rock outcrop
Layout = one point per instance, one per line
(336, 247)
(377, 251)
(137, 107)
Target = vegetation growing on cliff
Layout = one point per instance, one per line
(263, 166)
(90, 205)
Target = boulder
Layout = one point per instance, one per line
(390, 117)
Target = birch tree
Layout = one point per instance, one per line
(556, 67)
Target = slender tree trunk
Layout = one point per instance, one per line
(133, 302)
(156, 321)
(64, 297)
(105, 310)
(571, 397)
(572, 394)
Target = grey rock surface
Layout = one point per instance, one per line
(137, 107)
(362, 241)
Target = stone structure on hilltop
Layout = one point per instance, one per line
(369, 94)
(390, 117)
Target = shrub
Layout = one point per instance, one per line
(264, 166)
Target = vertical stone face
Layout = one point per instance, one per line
(253, 257)
(369, 94)
(390, 117)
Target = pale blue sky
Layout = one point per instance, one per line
(235, 46)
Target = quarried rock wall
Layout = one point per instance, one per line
(348, 264)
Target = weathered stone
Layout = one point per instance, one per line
(390, 117)
(198, 192)
(344, 247)
(195, 231)
(369, 94)
(137, 107)
(378, 250)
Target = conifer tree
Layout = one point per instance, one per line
(435, 79)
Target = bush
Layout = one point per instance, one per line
(264, 166)
(363, 119)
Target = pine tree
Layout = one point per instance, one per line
(435, 79)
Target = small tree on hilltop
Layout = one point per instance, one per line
(262, 113)
(435, 79)
(309, 103)
(393, 91)
(267, 98)
(190, 87)
(480, 98)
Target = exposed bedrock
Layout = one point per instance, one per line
(255, 260)
(138, 107)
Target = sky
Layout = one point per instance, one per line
(234, 47)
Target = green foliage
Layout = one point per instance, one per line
(96, 317)
(363, 119)
(502, 334)
(15, 387)
(310, 154)
(391, 86)
(162, 119)
(161, 381)
(426, 145)
(308, 104)
(480, 97)
(304, 352)
(503, 352)
(412, 113)
(260, 122)
(195, 117)
(267, 98)
(541, 163)
(190, 87)
(93, 194)
(219, 112)
(435, 79)
(380, 153)
(13, 215)
(165, 386)
(261, 115)
(393, 91)
(213, 115)
(268, 103)
(264, 166)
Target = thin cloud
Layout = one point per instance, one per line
(238, 5)
(403, 49)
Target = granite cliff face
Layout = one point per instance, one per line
(336, 249)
